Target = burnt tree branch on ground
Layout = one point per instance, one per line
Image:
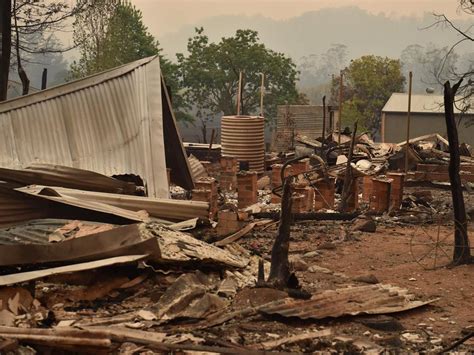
(462, 253)
(280, 266)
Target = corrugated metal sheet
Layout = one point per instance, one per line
(169, 209)
(18, 206)
(110, 123)
(293, 120)
(56, 175)
(34, 232)
(373, 299)
(242, 137)
(197, 169)
(398, 102)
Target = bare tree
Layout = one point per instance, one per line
(466, 36)
(5, 28)
(31, 26)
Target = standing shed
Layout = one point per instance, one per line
(427, 117)
(116, 122)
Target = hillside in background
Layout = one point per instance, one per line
(314, 32)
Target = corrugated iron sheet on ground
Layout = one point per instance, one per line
(18, 206)
(37, 231)
(373, 299)
(112, 123)
(57, 175)
(174, 210)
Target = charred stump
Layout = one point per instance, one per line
(280, 266)
(461, 253)
(346, 189)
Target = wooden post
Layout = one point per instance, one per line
(239, 94)
(280, 266)
(339, 123)
(407, 146)
(324, 121)
(44, 79)
(462, 252)
(262, 93)
(213, 133)
(346, 190)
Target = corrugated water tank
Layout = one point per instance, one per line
(242, 137)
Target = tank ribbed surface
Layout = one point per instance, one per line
(243, 137)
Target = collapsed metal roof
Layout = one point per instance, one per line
(116, 122)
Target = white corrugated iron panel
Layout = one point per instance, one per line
(111, 123)
(398, 102)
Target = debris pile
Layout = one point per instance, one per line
(209, 252)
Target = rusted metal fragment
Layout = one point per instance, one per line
(376, 299)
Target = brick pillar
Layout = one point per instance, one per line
(380, 197)
(228, 175)
(247, 188)
(301, 166)
(366, 188)
(298, 203)
(206, 191)
(396, 191)
(303, 189)
(276, 179)
(324, 194)
(353, 199)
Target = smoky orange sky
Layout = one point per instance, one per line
(164, 16)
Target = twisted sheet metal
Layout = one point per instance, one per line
(110, 123)
(373, 299)
(57, 175)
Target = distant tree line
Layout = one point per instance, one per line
(204, 81)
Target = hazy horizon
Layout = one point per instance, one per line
(164, 16)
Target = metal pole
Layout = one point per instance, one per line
(239, 93)
(262, 93)
(340, 109)
(324, 121)
(407, 146)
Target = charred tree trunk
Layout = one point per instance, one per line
(6, 32)
(25, 82)
(462, 253)
(280, 266)
(346, 188)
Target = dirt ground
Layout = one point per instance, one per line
(390, 255)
